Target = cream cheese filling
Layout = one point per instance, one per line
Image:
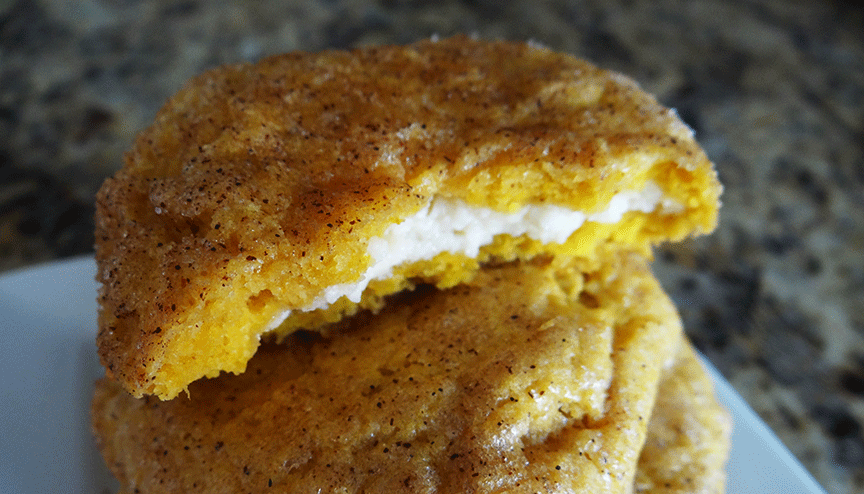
(451, 225)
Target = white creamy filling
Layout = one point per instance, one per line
(450, 225)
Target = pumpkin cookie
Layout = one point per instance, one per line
(688, 435)
(282, 195)
(532, 377)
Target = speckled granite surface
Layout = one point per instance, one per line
(773, 89)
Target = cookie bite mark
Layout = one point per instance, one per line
(452, 227)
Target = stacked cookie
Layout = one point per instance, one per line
(404, 269)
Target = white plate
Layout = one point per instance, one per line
(48, 364)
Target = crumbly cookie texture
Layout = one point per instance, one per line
(533, 377)
(252, 204)
(688, 436)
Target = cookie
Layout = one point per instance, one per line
(533, 377)
(285, 194)
(688, 435)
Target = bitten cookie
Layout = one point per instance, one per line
(285, 194)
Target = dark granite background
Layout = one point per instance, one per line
(773, 89)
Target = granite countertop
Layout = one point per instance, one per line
(774, 90)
